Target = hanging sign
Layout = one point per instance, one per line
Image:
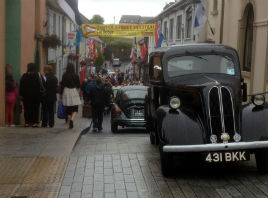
(120, 30)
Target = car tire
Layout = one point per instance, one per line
(114, 128)
(262, 161)
(166, 162)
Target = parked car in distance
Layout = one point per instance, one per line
(197, 103)
(128, 107)
(116, 62)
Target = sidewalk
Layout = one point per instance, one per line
(33, 160)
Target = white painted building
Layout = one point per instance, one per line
(176, 22)
(60, 24)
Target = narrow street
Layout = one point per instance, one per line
(127, 165)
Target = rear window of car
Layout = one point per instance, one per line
(134, 94)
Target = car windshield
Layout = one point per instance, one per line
(184, 65)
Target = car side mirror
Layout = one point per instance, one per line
(244, 88)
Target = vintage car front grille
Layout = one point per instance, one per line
(221, 111)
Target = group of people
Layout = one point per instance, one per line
(36, 89)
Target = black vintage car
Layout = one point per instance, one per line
(197, 103)
(128, 107)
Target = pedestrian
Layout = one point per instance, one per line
(11, 96)
(70, 93)
(31, 92)
(99, 99)
(50, 97)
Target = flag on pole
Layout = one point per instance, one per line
(200, 17)
(79, 37)
(159, 37)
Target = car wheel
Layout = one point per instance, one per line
(262, 161)
(166, 162)
(114, 128)
(152, 138)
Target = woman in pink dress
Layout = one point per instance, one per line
(11, 96)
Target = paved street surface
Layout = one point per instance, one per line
(126, 165)
(33, 161)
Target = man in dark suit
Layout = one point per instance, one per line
(49, 99)
(99, 99)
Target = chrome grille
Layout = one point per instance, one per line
(228, 111)
(221, 111)
(215, 113)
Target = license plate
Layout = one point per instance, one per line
(138, 113)
(233, 156)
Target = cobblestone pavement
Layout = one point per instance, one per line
(126, 165)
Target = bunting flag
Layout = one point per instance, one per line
(132, 53)
(143, 51)
(200, 17)
(138, 50)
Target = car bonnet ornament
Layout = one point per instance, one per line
(225, 137)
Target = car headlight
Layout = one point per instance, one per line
(258, 100)
(174, 102)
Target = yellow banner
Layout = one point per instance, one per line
(121, 30)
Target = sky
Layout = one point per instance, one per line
(109, 9)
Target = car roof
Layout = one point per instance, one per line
(193, 47)
(134, 87)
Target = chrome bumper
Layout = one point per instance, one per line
(215, 147)
(130, 120)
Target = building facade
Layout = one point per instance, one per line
(243, 25)
(21, 24)
(59, 23)
(2, 62)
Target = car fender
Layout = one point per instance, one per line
(179, 127)
(254, 123)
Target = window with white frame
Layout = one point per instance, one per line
(171, 29)
(179, 26)
(54, 23)
(189, 23)
(165, 30)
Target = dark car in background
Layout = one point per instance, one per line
(128, 107)
(197, 104)
(116, 62)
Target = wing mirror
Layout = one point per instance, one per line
(244, 88)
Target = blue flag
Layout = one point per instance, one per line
(200, 17)
(79, 37)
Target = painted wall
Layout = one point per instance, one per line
(2, 62)
(13, 37)
(234, 11)
(27, 33)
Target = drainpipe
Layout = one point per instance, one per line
(222, 21)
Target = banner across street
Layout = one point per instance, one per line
(121, 30)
